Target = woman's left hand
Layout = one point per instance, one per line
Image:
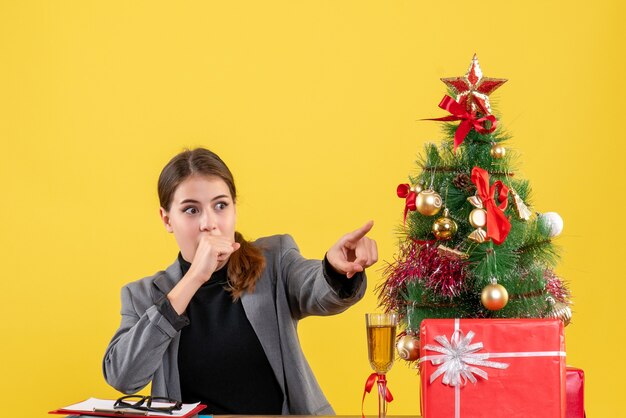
(354, 252)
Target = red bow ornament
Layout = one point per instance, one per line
(468, 120)
(498, 225)
(410, 193)
(369, 384)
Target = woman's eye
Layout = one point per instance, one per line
(190, 210)
(221, 206)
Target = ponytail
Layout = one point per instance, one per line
(244, 267)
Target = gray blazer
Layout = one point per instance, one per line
(145, 347)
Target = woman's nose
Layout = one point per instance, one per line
(208, 222)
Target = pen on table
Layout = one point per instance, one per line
(121, 411)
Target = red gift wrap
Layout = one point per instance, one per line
(492, 368)
(575, 389)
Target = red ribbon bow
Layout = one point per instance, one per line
(468, 120)
(498, 225)
(369, 384)
(404, 190)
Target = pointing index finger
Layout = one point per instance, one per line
(356, 235)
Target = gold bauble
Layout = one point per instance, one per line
(560, 311)
(428, 202)
(478, 218)
(408, 347)
(494, 297)
(445, 227)
(497, 151)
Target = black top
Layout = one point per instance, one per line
(220, 359)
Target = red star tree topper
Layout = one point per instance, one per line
(473, 89)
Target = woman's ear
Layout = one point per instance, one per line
(166, 220)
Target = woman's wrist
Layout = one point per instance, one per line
(181, 294)
(196, 277)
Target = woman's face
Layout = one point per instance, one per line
(200, 203)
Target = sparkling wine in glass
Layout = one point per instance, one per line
(381, 336)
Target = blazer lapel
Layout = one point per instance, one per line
(162, 284)
(166, 281)
(261, 312)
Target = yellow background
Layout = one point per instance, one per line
(315, 107)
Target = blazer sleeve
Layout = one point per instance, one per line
(307, 285)
(136, 350)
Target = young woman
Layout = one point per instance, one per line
(219, 326)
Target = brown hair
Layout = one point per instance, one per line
(246, 264)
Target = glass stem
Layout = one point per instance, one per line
(382, 396)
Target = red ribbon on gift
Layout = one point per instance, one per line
(468, 120)
(369, 384)
(498, 225)
(404, 190)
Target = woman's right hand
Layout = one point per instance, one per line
(211, 254)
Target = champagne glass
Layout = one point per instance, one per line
(381, 336)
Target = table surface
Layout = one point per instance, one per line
(281, 416)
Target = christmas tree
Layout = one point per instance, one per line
(471, 246)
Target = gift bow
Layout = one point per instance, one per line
(498, 225)
(468, 120)
(369, 384)
(404, 190)
(458, 359)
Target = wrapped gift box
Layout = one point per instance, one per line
(507, 368)
(575, 389)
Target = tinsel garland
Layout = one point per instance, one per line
(555, 287)
(420, 261)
